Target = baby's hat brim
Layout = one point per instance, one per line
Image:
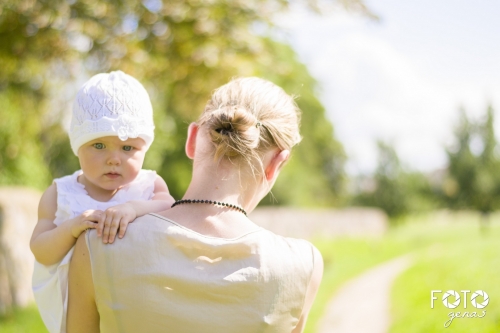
(83, 139)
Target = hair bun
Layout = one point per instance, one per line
(225, 125)
(232, 130)
(247, 117)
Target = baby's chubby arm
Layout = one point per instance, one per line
(50, 243)
(116, 218)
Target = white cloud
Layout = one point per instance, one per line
(374, 92)
(375, 89)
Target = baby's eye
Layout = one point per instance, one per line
(99, 145)
(127, 148)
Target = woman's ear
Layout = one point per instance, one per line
(191, 140)
(274, 166)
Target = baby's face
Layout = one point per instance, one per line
(109, 163)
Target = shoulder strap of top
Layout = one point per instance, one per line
(142, 188)
(69, 183)
(69, 194)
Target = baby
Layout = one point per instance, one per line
(111, 130)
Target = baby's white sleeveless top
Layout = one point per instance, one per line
(166, 278)
(50, 283)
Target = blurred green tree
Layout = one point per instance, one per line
(181, 50)
(473, 181)
(394, 189)
(458, 186)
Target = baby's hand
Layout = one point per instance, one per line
(115, 219)
(87, 220)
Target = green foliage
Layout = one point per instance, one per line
(181, 51)
(473, 181)
(21, 159)
(396, 191)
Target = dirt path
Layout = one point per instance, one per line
(363, 304)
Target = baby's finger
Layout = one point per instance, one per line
(99, 215)
(123, 227)
(114, 228)
(90, 225)
(92, 215)
(100, 224)
(105, 232)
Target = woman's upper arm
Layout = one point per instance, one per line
(312, 289)
(82, 310)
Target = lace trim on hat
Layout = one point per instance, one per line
(125, 127)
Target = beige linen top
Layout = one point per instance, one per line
(163, 277)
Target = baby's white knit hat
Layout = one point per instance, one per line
(108, 105)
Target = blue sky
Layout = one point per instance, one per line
(403, 78)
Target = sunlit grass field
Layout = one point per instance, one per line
(471, 261)
(450, 252)
(23, 321)
(439, 243)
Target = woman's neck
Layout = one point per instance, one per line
(217, 184)
(228, 185)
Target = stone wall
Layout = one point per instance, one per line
(18, 217)
(304, 223)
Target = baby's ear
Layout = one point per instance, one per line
(191, 140)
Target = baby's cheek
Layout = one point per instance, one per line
(134, 167)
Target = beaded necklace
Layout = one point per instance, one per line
(210, 202)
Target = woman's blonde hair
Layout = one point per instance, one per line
(248, 116)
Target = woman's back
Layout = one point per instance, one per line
(164, 277)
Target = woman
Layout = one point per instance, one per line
(203, 266)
